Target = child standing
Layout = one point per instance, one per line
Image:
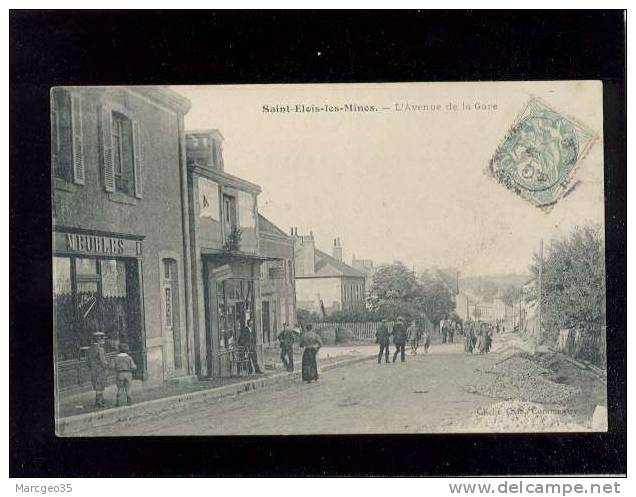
(124, 365)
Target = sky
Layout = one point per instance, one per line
(398, 184)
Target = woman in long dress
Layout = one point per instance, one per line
(311, 342)
(468, 341)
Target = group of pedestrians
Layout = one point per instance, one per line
(477, 338)
(401, 335)
(448, 329)
(100, 366)
(308, 340)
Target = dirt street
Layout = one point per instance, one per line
(427, 394)
(424, 394)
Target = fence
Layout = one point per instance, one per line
(590, 346)
(364, 330)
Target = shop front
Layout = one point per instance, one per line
(97, 286)
(232, 295)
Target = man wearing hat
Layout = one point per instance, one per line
(399, 339)
(383, 339)
(286, 339)
(98, 367)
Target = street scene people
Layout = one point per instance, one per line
(413, 333)
(399, 339)
(426, 338)
(382, 338)
(469, 339)
(202, 303)
(247, 339)
(286, 339)
(311, 342)
(98, 366)
(124, 367)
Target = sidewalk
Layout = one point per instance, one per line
(76, 412)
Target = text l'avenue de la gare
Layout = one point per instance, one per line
(326, 108)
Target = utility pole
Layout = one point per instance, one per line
(519, 306)
(540, 331)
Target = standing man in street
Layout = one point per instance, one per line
(98, 366)
(413, 334)
(383, 339)
(247, 339)
(399, 339)
(286, 339)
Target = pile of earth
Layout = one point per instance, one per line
(520, 378)
(520, 416)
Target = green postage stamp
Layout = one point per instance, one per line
(540, 153)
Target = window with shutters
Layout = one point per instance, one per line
(123, 159)
(67, 140)
(121, 152)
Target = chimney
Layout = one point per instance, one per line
(205, 148)
(336, 251)
(304, 250)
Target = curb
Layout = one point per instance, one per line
(70, 425)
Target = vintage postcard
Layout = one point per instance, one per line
(329, 259)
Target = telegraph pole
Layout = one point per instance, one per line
(540, 331)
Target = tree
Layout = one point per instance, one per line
(436, 298)
(233, 240)
(573, 283)
(396, 291)
(510, 295)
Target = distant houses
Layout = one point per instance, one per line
(325, 283)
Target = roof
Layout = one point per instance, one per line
(327, 265)
(266, 226)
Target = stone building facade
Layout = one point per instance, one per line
(120, 225)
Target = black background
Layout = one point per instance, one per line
(49, 48)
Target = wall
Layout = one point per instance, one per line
(307, 290)
(279, 291)
(156, 216)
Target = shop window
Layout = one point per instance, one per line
(67, 142)
(63, 309)
(92, 295)
(235, 299)
(171, 307)
(114, 303)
